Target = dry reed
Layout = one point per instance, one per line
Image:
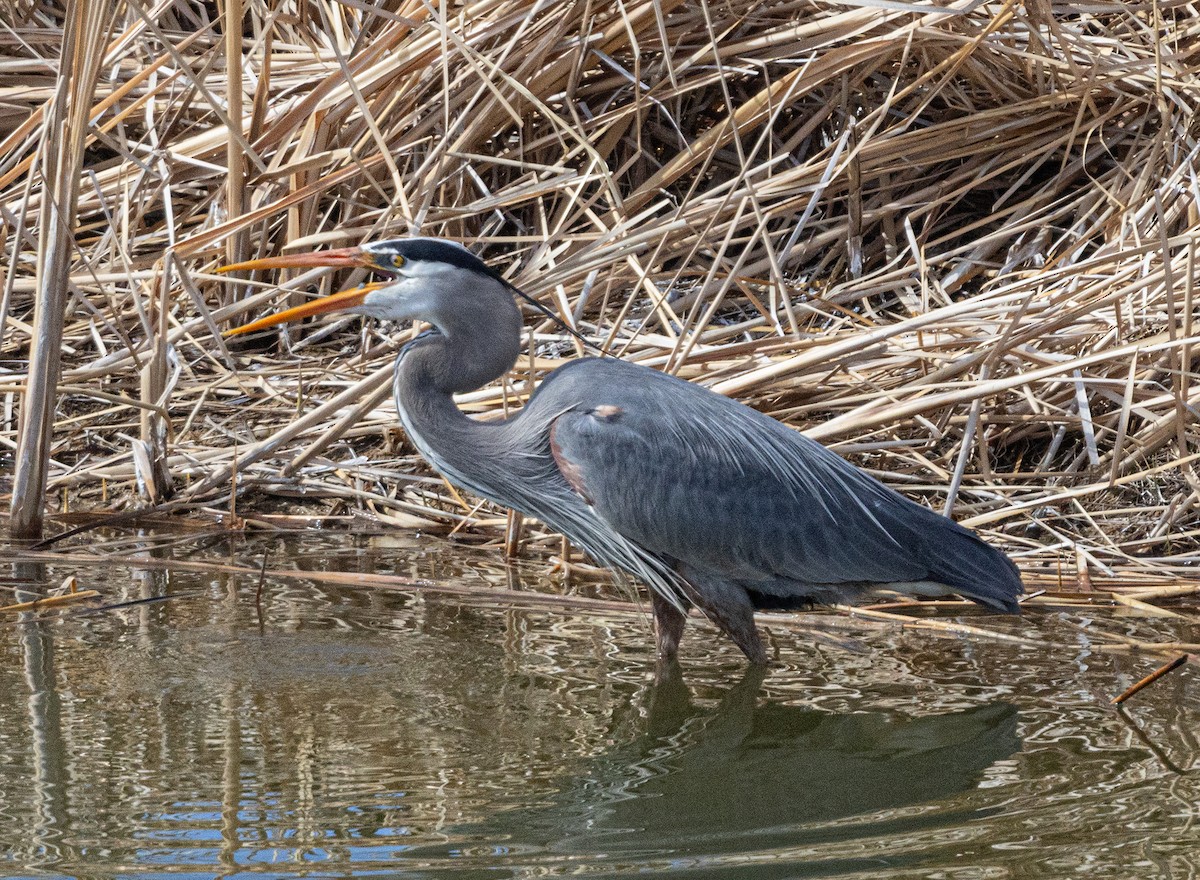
(957, 241)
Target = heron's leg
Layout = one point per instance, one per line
(668, 627)
(728, 606)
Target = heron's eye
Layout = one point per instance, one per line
(397, 260)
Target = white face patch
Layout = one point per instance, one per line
(389, 303)
(427, 271)
(412, 296)
(430, 279)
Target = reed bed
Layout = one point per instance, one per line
(955, 241)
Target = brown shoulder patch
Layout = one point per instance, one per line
(570, 471)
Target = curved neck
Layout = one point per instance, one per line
(508, 461)
(475, 342)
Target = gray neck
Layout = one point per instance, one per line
(476, 340)
(474, 343)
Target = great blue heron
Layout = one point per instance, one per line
(707, 501)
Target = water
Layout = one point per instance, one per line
(338, 731)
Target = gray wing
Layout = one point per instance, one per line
(702, 479)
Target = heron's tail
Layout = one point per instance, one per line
(974, 568)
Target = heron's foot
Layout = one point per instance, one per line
(751, 644)
(741, 630)
(728, 606)
(669, 622)
(667, 672)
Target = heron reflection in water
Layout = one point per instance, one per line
(712, 784)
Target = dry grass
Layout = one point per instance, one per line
(957, 242)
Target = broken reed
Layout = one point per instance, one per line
(957, 243)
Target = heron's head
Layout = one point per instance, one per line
(429, 278)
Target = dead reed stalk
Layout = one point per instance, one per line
(956, 241)
(60, 150)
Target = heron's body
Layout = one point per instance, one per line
(709, 502)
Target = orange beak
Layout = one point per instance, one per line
(351, 257)
(335, 302)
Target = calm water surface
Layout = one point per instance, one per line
(339, 731)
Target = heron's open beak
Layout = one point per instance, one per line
(351, 257)
(335, 302)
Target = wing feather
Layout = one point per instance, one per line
(695, 476)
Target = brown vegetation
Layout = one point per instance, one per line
(955, 241)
